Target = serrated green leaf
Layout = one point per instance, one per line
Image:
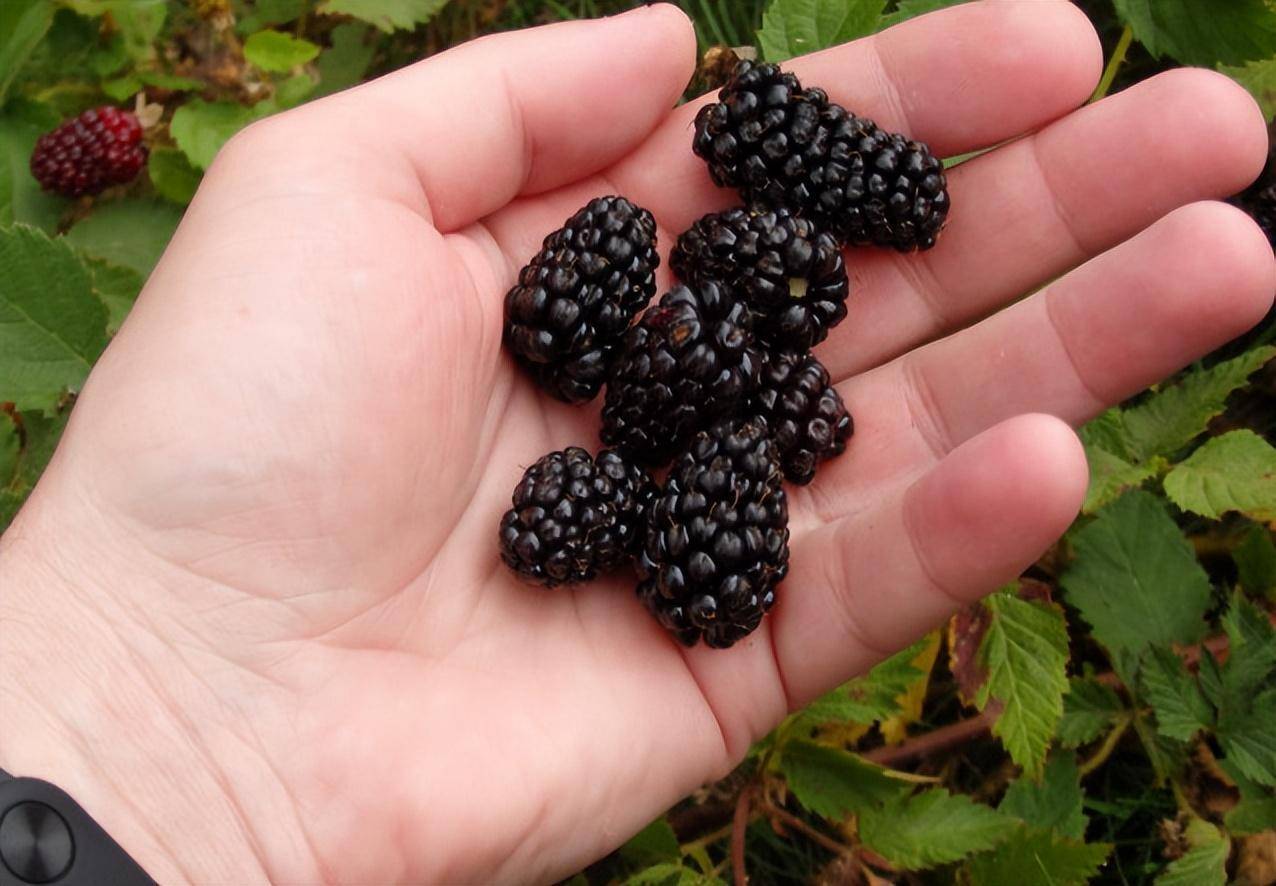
(932, 828)
(1232, 472)
(907, 9)
(52, 327)
(670, 875)
(21, 199)
(172, 175)
(1111, 476)
(23, 24)
(1167, 756)
(653, 844)
(1255, 558)
(1089, 710)
(870, 698)
(131, 233)
(834, 783)
(278, 52)
(1135, 579)
(1252, 652)
(1038, 857)
(1107, 431)
(1054, 803)
(122, 88)
(1210, 677)
(1181, 710)
(388, 15)
(1248, 739)
(200, 128)
(796, 27)
(1205, 863)
(1202, 32)
(1252, 815)
(346, 61)
(1026, 654)
(117, 288)
(1259, 78)
(1174, 416)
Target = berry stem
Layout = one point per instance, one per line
(1114, 63)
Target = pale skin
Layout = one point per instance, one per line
(253, 616)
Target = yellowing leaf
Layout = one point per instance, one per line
(895, 728)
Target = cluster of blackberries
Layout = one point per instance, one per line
(718, 375)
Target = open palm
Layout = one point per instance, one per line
(282, 483)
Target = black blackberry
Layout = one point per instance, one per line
(1259, 199)
(790, 272)
(717, 537)
(567, 315)
(574, 516)
(805, 413)
(782, 145)
(689, 360)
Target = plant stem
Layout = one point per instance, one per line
(1114, 63)
(797, 824)
(1104, 751)
(739, 824)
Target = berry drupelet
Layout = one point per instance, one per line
(689, 360)
(789, 271)
(566, 317)
(89, 153)
(574, 516)
(783, 145)
(717, 537)
(804, 412)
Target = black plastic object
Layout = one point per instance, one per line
(45, 837)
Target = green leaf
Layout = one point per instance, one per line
(278, 52)
(1255, 560)
(834, 783)
(115, 286)
(346, 62)
(1252, 652)
(1054, 803)
(654, 843)
(670, 875)
(23, 24)
(1038, 857)
(132, 233)
(1181, 710)
(172, 175)
(1176, 415)
(1202, 32)
(388, 15)
(41, 433)
(931, 828)
(293, 91)
(1135, 579)
(52, 327)
(200, 128)
(1107, 432)
(1247, 737)
(122, 88)
(1252, 815)
(1232, 472)
(1089, 710)
(1111, 476)
(10, 446)
(1205, 863)
(870, 698)
(270, 12)
(140, 23)
(21, 199)
(912, 8)
(1260, 79)
(110, 58)
(171, 82)
(796, 27)
(1026, 653)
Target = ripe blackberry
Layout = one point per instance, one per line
(782, 145)
(717, 537)
(689, 360)
(567, 315)
(575, 516)
(790, 272)
(805, 413)
(1259, 199)
(89, 153)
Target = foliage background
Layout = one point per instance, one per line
(1110, 717)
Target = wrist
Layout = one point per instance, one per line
(98, 704)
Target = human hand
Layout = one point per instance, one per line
(255, 621)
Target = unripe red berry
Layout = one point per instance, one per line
(89, 153)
